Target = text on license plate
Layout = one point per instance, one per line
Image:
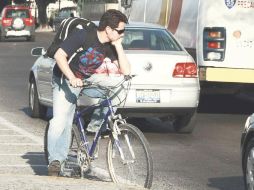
(147, 96)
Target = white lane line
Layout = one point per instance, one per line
(12, 136)
(27, 154)
(20, 131)
(21, 144)
(21, 165)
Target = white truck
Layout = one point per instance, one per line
(219, 34)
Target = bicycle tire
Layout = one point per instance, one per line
(71, 161)
(138, 171)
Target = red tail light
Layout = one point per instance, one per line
(6, 22)
(29, 21)
(214, 45)
(185, 70)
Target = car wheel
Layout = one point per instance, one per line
(31, 38)
(36, 109)
(185, 123)
(2, 38)
(248, 165)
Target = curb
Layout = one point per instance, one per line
(34, 182)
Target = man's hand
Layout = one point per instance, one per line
(122, 62)
(76, 82)
(117, 42)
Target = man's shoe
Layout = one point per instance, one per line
(54, 168)
(106, 133)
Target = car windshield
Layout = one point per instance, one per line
(149, 39)
(11, 13)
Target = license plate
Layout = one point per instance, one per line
(18, 33)
(147, 96)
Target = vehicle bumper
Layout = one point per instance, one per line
(13, 33)
(232, 75)
(171, 102)
(154, 111)
(26, 32)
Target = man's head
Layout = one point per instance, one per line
(113, 23)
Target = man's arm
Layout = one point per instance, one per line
(62, 62)
(122, 62)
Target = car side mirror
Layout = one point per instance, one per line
(38, 51)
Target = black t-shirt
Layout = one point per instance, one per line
(85, 62)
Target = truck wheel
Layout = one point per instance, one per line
(185, 123)
(36, 109)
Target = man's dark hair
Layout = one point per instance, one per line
(111, 18)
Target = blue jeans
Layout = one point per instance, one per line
(64, 104)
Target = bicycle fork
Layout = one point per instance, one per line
(116, 132)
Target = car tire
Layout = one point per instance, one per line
(248, 157)
(2, 38)
(36, 109)
(31, 38)
(185, 123)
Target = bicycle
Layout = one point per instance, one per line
(129, 158)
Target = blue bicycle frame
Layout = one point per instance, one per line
(78, 119)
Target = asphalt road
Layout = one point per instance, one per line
(208, 159)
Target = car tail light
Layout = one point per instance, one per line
(185, 70)
(214, 43)
(6, 22)
(29, 21)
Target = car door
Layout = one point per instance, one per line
(44, 84)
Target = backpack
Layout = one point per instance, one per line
(67, 26)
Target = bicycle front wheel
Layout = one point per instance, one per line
(129, 158)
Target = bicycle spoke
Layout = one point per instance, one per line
(129, 158)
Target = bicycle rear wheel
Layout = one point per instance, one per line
(129, 158)
(71, 167)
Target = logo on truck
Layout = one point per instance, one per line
(230, 3)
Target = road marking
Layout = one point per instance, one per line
(12, 136)
(21, 144)
(27, 154)
(20, 131)
(21, 166)
(5, 130)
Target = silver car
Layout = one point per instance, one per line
(166, 85)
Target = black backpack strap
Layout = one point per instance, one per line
(89, 41)
(65, 29)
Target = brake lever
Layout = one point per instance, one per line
(128, 77)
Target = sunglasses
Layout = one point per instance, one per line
(119, 31)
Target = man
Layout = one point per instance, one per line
(106, 41)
